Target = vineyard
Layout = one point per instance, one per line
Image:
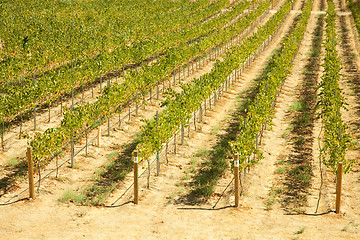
(156, 119)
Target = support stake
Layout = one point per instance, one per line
(136, 105)
(338, 187)
(182, 135)
(2, 135)
(72, 152)
(157, 164)
(99, 136)
(136, 180)
(31, 172)
(49, 112)
(35, 118)
(86, 146)
(236, 178)
(175, 143)
(149, 173)
(108, 126)
(157, 90)
(166, 152)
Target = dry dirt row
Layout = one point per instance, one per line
(160, 215)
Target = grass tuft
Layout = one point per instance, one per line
(71, 196)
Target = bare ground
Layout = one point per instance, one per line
(160, 216)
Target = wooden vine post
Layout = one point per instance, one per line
(149, 174)
(157, 90)
(338, 187)
(72, 152)
(136, 180)
(157, 153)
(236, 178)
(31, 172)
(136, 105)
(108, 120)
(99, 136)
(2, 135)
(34, 105)
(166, 149)
(157, 163)
(182, 135)
(86, 141)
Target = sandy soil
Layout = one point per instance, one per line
(160, 216)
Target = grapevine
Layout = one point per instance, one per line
(336, 141)
(181, 105)
(260, 110)
(119, 95)
(24, 88)
(355, 10)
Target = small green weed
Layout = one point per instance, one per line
(202, 153)
(70, 195)
(215, 130)
(302, 230)
(280, 170)
(13, 162)
(297, 106)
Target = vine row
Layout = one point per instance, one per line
(180, 106)
(117, 96)
(260, 110)
(39, 87)
(335, 140)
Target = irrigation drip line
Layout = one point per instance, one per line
(202, 208)
(321, 172)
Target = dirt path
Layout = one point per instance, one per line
(159, 217)
(287, 155)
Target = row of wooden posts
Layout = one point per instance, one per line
(236, 181)
(136, 174)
